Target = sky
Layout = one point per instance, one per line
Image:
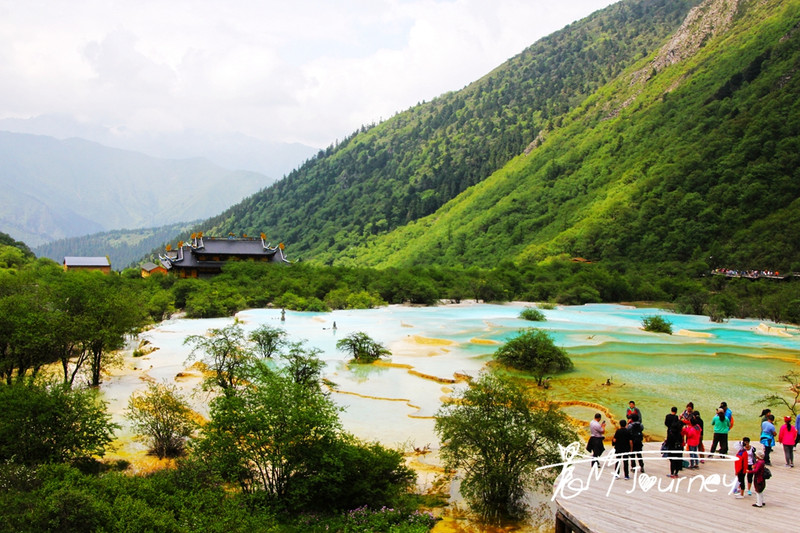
(307, 71)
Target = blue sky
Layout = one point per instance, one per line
(306, 71)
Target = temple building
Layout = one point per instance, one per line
(102, 264)
(205, 256)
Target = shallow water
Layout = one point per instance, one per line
(394, 403)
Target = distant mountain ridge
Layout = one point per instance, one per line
(233, 151)
(55, 189)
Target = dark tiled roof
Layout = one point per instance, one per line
(233, 247)
(211, 253)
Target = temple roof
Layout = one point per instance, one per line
(233, 247)
(200, 252)
(80, 261)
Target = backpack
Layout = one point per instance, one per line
(767, 473)
(635, 429)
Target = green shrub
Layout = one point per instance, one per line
(657, 324)
(534, 351)
(532, 314)
(362, 347)
(366, 520)
(51, 423)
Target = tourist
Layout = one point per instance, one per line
(691, 434)
(745, 459)
(675, 445)
(686, 416)
(636, 429)
(759, 480)
(797, 425)
(728, 412)
(764, 413)
(722, 426)
(702, 447)
(671, 418)
(622, 446)
(633, 410)
(768, 436)
(788, 437)
(597, 432)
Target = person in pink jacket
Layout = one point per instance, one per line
(788, 437)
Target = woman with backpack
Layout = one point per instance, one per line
(768, 436)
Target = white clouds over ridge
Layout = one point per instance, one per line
(305, 71)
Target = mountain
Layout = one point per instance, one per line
(63, 188)
(234, 150)
(124, 248)
(651, 131)
(691, 154)
(388, 175)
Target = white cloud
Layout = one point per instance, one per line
(307, 71)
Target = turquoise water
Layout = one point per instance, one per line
(393, 404)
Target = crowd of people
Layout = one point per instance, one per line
(685, 433)
(734, 273)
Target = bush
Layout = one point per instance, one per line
(161, 416)
(532, 314)
(350, 474)
(51, 423)
(362, 347)
(534, 351)
(657, 324)
(366, 520)
(497, 436)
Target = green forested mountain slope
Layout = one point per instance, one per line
(123, 247)
(388, 175)
(685, 147)
(692, 153)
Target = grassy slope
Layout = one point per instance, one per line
(680, 172)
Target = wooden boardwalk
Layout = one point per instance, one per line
(697, 501)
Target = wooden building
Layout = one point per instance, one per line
(150, 268)
(103, 264)
(205, 256)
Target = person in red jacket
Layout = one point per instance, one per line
(691, 435)
(742, 465)
(788, 437)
